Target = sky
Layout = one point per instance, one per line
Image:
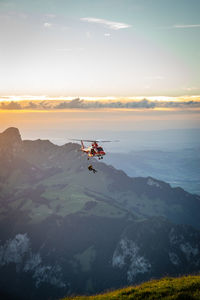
(101, 48)
(134, 128)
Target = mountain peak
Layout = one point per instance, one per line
(11, 133)
(10, 141)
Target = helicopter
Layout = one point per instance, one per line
(94, 150)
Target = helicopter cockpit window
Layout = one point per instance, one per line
(92, 151)
(99, 149)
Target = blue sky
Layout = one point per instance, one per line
(100, 48)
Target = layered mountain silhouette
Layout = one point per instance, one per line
(65, 230)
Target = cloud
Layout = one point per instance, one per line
(11, 105)
(186, 26)
(106, 23)
(190, 89)
(126, 103)
(47, 25)
(76, 103)
(31, 105)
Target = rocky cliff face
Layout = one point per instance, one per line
(56, 260)
(18, 251)
(10, 139)
(64, 230)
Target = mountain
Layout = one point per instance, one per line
(65, 230)
(179, 167)
(186, 287)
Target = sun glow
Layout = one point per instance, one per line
(24, 98)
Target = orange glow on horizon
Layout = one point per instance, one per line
(25, 99)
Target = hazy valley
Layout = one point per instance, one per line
(179, 167)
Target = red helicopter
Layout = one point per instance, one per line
(94, 149)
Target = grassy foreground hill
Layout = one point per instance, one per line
(182, 288)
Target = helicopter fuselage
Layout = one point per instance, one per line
(94, 150)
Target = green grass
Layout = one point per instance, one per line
(182, 288)
(72, 199)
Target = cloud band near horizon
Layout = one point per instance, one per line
(86, 104)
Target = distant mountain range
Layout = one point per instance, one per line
(65, 230)
(178, 167)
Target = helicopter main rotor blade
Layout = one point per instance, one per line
(75, 140)
(94, 141)
(108, 141)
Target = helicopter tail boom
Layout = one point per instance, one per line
(82, 145)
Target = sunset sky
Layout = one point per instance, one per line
(135, 64)
(100, 47)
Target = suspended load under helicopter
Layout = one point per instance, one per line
(95, 150)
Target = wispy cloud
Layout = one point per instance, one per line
(47, 25)
(186, 26)
(189, 89)
(108, 24)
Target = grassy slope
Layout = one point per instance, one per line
(183, 288)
